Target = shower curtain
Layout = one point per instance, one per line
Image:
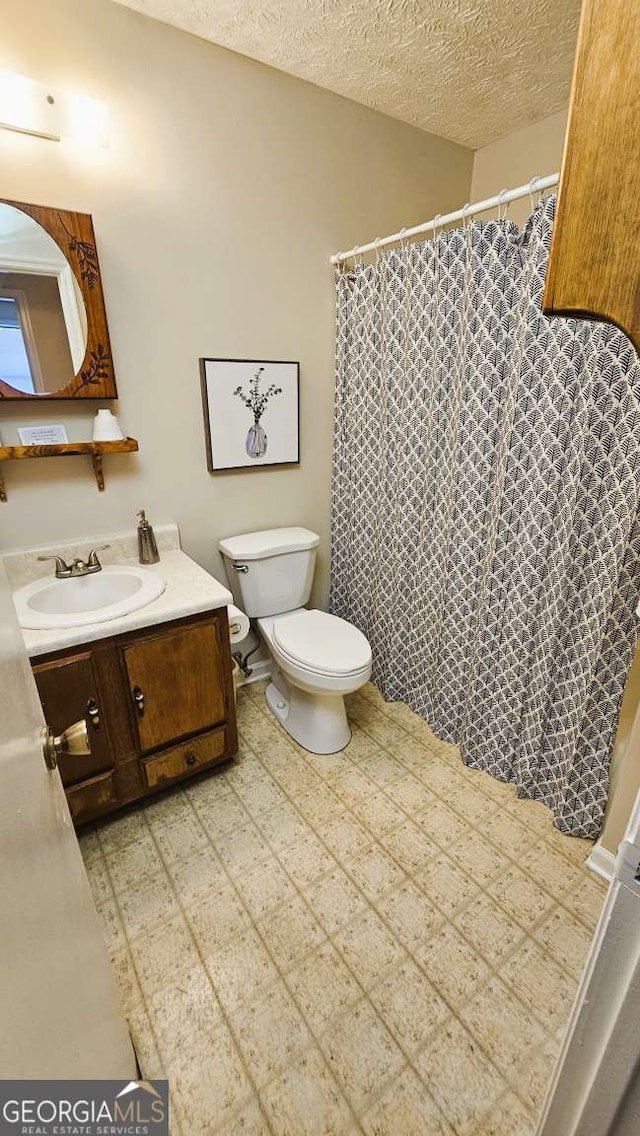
(485, 532)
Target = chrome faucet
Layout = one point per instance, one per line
(78, 567)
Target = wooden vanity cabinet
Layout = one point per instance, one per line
(158, 703)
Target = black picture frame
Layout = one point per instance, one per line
(207, 380)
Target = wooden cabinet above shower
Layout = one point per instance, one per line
(594, 265)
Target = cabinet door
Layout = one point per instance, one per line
(69, 691)
(176, 683)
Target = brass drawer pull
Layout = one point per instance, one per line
(190, 759)
(138, 698)
(93, 710)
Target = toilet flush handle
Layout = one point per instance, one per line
(243, 568)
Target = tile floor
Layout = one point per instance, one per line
(379, 941)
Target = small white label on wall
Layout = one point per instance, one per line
(42, 435)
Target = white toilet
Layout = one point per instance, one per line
(318, 658)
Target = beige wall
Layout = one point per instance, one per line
(226, 188)
(514, 160)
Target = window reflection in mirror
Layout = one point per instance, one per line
(16, 366)
(43, 321)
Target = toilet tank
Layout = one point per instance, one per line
(270, 571)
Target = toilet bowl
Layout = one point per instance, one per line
(317, 658)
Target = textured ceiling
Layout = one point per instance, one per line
(470, 70)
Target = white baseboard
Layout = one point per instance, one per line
(259, 672)
(600, 860)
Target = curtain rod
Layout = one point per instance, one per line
(536, 185)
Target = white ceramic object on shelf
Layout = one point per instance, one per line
(106, 427)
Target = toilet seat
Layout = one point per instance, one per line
(322, 644)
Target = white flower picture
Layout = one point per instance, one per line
(251, 412)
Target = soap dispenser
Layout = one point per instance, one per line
(147, 547)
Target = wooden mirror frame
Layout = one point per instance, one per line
(73, 233)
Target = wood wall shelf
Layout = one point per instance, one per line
(95, 450)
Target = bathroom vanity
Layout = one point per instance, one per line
(155, 687)
(158, 703)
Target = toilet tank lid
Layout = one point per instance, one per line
(269, 542)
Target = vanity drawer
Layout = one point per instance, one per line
(184, 759)
(92, 797)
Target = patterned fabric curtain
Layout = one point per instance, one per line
(485, 506)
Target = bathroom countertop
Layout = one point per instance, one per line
(190, 589)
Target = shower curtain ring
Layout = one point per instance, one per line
(465, 214)
(532, 189)
(502, 202)
(376, 245)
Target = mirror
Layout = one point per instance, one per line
(43, 320)
(54, 341)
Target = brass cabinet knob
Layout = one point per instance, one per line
(93, 710)
(74, 742)
(138, 698)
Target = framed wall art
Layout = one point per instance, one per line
(251, 413)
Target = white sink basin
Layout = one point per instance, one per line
(114, 591)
